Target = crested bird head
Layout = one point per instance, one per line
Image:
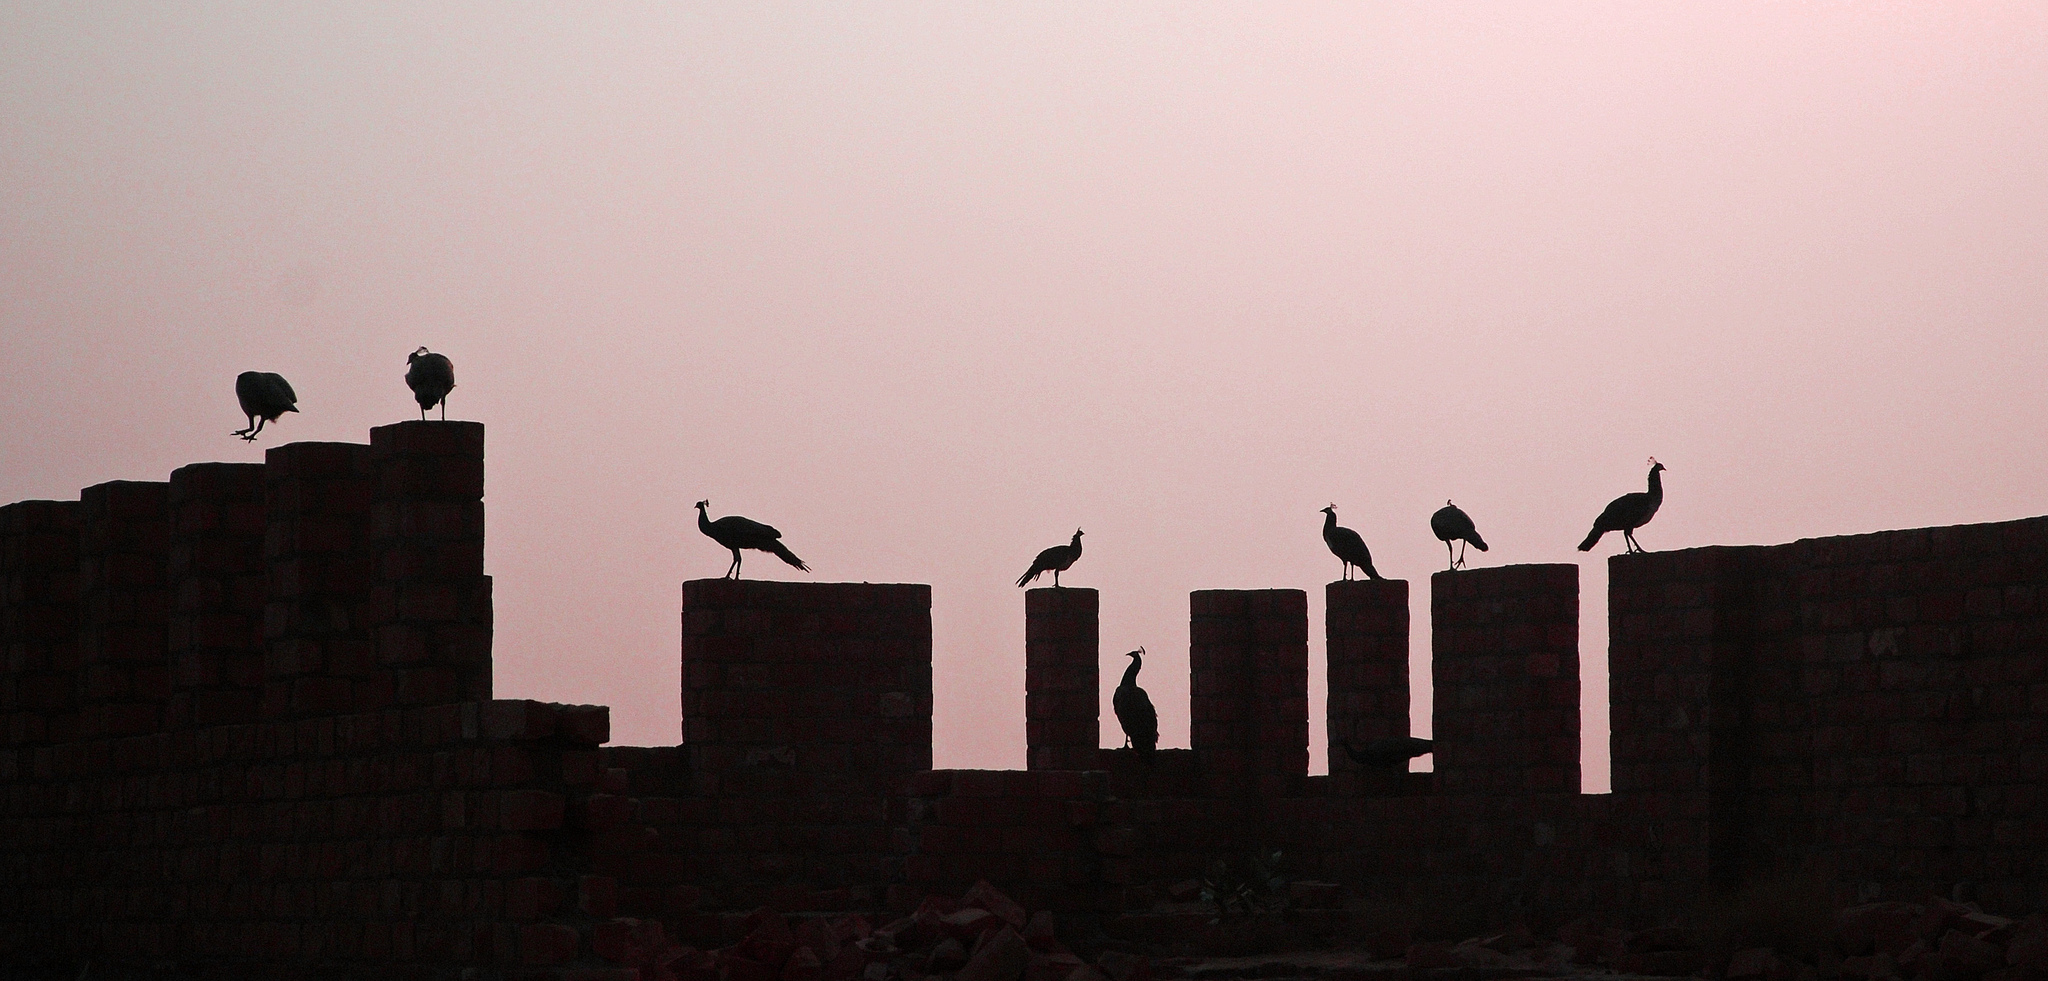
(1077, 533)
(415, 356)
(1137, 653)
(1654, 465)
(1331, 510)
(1448, 504)
(701, 505)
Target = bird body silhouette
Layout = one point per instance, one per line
(1628, 512)
(430, 376)
(1389, 752)
(264, 395)
(735, 532)
(1055, 560)
(1134, 709)
(1452, 524)
(1347, 546)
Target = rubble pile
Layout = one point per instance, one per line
(981, 936)
(1932, 940)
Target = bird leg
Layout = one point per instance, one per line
(733, 571)
(1629, 535)
(1450, 556)
(1461, 552)
(1055, 578)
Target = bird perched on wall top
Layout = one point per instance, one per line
(264, 395)
(430, 376)
(1055, 560)
(735, 532)
(1628, 512)
(1346, 545)
(1134, 709)
(1452, 524)
(1389, 752)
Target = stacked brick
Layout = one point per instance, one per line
(124, 608)
(38, 621)
(1248, 689)
(1506, 656)
(217, 574)
(319, 657)
(1062, 679)
(806, 708)
(1366, 631)
(415, 843)
(430, 606)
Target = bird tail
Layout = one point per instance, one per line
(1475, 541)
(1027, 577)
(1370, 572)
(782, 552)
(1592, 539)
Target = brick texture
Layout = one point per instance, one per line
(1366, 637)
(1505, 644)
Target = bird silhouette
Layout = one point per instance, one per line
(1389, 752)
(1347, 546)
(264, 395)
(735, 532)
(1452, 524)
(1628, 512)
(1055, 560)
(1134, 709)
(430, 376)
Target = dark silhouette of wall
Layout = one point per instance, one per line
(246, 726)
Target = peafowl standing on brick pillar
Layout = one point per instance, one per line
(1628, 512)
(430, 376)
(264, 395)
(1452, 524)
(1347, 546)
(1134, 709)
(1055, 560)
(735, 532)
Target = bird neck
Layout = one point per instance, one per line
(1329, 523)
(1656, 485)
(703, 520)
(1131, 673)
(1076, 544)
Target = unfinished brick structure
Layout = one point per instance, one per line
(246, 727)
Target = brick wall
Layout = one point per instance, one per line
(1248, 688)
(217, 575)
(1366, 632)
(38, 621)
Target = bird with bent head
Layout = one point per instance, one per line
(1055, 560)
(1134, 709)
(735, 532)
(1628, 512)
(1389, 752)
(430, 376)
(1347, 546)
(264, 395)
(1452, 524)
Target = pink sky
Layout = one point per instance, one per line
(927, 286)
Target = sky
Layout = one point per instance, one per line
(928, 286)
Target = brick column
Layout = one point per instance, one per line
(317, 645)
(1680, 627)
(38, 620)
(1062, 679)
(217, 587)
(829, 681)
(123, 608)
(1506, 648)
(1366, 637)
(807, 709)
(1248, 688)
(431, 605)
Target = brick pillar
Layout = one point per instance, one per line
(807, 708)
(124, 607)
(217, 587)
(1680, 628)
(1248, 688)
(832, 681)
(1062, 679)
(1366, 636)
(1506, 648)
(38, 621)
(317, 646)
(431, 607)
